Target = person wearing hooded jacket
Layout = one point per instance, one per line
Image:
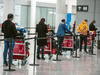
(82, 29)
(61, 33)
(9, 30)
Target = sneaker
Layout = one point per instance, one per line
(5, 64)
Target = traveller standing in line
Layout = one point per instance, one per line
(61, 33)
(9, 30)
(41, 29)
(92, 26)
(82, 29)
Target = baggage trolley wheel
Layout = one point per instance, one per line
(90, 51)
(72, 52)
(50, 56)
(24, 62)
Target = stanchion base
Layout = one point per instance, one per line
(9, 70)
(92, 54)
(34, 64)
(75, 57)
(56, 60)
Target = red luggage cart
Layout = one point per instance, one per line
(21, 51)
(48, 49)
(89, 38)
(68, 44)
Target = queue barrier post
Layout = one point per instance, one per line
(11, 41)
(34, 53)
(98, 47)
(92, 46)
(76, 50)
(98, 36)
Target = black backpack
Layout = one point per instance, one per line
(54, 44)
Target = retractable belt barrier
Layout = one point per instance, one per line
(35, 39)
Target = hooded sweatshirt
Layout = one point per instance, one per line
(83, 28)
(9, 29)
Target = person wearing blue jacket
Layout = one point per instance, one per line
(61, 33)
(68, 27)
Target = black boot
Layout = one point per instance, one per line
(38, 57)
(43, 57)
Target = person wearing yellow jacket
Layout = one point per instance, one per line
(82, 29)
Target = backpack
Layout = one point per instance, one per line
(54, 44)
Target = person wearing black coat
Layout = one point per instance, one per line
(92, 26)
(41, 29)
(9, 30)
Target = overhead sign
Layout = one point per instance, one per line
(82, 8)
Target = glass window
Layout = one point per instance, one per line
(24, 18)
(29, 16)
(43, 13)
(1, 13)
(37, 15)
(48, 13)
(50, 16)
(54, 18)
(17, 14)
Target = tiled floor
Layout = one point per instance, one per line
(85, 65)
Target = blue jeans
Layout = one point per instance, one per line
(6, 47)
(42, 50)
(60, 41)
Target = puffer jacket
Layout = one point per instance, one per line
(61, 29)
(83, 28)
